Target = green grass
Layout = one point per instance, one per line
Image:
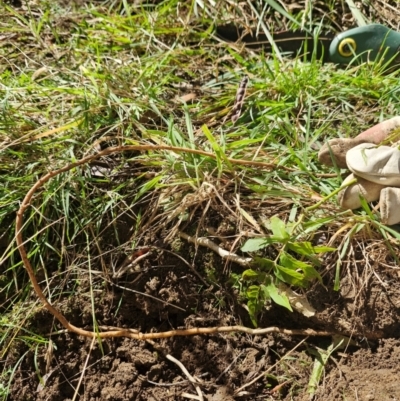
(76, 81)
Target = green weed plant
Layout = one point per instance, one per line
(295, 264)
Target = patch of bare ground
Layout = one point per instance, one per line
(227, 366)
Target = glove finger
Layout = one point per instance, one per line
(349, 197)
(334, 152)
(390, 206)
(387, 129)
(379, 164)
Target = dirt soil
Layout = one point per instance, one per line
(228, 366)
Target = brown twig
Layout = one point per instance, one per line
(83, 370)
(130, 262)
(217, 249)
(199, 395)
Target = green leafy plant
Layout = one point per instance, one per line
(294, 265)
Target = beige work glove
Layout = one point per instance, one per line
(376, 168)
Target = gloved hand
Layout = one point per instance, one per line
(375, 166)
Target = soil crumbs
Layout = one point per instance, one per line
(226, 366)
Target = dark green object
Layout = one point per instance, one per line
(368, 43)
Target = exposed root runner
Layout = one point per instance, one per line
(131, 333)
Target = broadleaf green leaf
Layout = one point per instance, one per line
(306, 248)
(256, 301)
(302, 248)
(278, 228)
(277, 297)
(289, 276)
(290, 262)
(252, 292)
(323, 249)
(250, 274)
(254, 244)
(310, 273)
(263, 263)
(252, 305)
